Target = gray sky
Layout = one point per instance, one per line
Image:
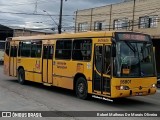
(10, 9)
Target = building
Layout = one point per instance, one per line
(130, 15)
(6, 31)
(143, 16)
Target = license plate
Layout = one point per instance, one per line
(140, 93)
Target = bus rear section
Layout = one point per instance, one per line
(10, 57)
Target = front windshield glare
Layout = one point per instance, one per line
(134, 59)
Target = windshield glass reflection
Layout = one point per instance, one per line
(134, 59)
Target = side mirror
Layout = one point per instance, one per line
(113, 51)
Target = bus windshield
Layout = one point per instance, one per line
(134, 59)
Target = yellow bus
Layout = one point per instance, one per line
(107, 64)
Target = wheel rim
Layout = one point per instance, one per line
(81, 88)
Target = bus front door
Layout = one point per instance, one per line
(47, 63)
(13, 61)
(102, 69)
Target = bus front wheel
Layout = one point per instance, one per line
(21, 76)
(81, 88)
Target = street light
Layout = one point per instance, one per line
(51, 17)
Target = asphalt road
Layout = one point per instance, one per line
(36, 97)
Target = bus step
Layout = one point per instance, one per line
(47, 84)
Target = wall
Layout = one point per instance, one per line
(26, 33)
(109, 13)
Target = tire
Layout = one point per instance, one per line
(81, 88)
(21, 76)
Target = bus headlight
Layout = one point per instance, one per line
(153, 85)
(122, 87)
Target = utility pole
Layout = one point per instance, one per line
(60, 18)
(76, 22)
(91, 19)
(35, 10)
(110, 19)
(133, 14)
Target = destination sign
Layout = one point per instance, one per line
(132, 36)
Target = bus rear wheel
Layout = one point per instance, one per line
(81, 88)
(21, 76)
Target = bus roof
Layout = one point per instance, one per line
(69, 35)
(66, 35)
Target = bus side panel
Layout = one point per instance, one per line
(6, 64)
(63, 73)
(29, 76)
(37, 77)
(29, 65)
(63, 82)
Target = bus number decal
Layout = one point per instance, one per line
(125, 81)
(103, 40)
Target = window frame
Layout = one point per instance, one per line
(148, 22)
(63, 49)
(82, 27)
(84, 50)
(119, 24)
(38, 43)
(21, 49)
(98, 27)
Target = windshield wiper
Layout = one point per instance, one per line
(131, 46)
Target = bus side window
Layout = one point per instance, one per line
(63, 49)
(82, 49)
(36, 49)
(26, 49)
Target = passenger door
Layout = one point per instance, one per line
(47, 63)
(102, 69)
(13, 61)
